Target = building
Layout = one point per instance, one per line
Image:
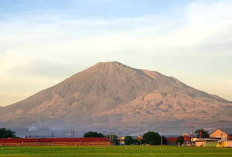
(224, 134)
(224, 144)
(205, 142)
(139, 139)
(54, 141)
(171, 141)
(122, 140)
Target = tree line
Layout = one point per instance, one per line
(151, 138)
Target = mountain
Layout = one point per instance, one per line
(110, 96)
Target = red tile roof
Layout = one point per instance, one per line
(20, 140)
(186, 138)
(171, 139)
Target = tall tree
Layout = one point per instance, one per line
(114, 139)
(180, 140)
(153, 138)
(7, 133)
(202, 133)
(129, 140)
(93, 134)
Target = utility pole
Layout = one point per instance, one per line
(53, 134)
(191, 133)
(72, 133)
(161, 137)
(111, 138)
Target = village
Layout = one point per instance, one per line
(217, 138)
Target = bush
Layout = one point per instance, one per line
(202, 133)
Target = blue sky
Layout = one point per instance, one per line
(91, 8)
(46, 41)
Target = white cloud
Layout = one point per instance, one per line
(12, 61)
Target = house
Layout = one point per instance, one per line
(139, 139)
(223, 134)
(205, 142)
(122, 140)
(185, 134)
(224, 144)
(187, 141)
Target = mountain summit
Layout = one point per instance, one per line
(113, 96)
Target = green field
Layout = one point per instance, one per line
(114, 151)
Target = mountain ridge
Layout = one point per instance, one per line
(111, 94)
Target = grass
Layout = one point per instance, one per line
(114, 151)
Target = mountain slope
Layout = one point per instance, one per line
(114, 95)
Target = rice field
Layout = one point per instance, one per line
(114, 151)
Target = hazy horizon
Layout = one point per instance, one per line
(44, 42)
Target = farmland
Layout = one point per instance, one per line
(114, 151)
